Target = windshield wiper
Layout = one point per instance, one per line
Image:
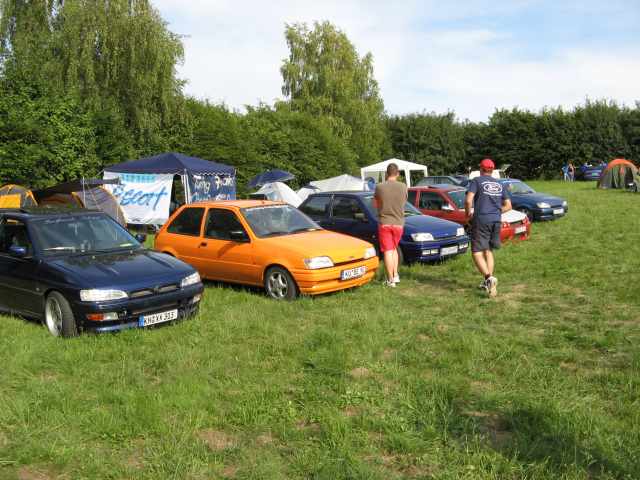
(271, 234)
(305, 229)
(59, 249)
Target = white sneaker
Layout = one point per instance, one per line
(492, 286)
(483, 285)
(388, 283)
(396, 279)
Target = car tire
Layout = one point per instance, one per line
(527, 212)
(400, 256)
(58, 316)
(279, 284)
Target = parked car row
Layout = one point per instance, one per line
(80, 271)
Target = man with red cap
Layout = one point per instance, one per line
(486, 201)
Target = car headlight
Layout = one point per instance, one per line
(96, 295)
(564, 203)
(422, 237)
(318, 262)
(460, 232)
(369, 253)
(190, 280)
(543, 205)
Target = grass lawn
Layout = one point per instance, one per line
(430, 380)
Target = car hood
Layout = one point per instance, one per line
(122, 270)
(437, 227)
(533, 198)
(319, 243)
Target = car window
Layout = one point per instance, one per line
(317, 207)
(412, 196)
(458, 197)
(187, 222)
(220, 224)
(431, 201)
(14, 233)
(279, 219)
(346, 208)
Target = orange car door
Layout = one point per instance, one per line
(184, 236)
(226, 249)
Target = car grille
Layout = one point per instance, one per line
(445, 238)
(172, 287)
(516, 224)
(155, 309)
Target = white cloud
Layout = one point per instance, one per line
(424, 60)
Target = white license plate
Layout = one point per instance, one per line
(521, 229)
(558, 211)
(449, 250)
(147, 320)
(353, 273)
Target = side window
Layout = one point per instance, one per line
(346, 208)
(317, 207)
(220, 224)
(187, 222)
(412, 197)
(13, 233)
(431, 201)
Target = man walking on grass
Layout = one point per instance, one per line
(390, 197)
(486, 201)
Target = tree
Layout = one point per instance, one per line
(325, 76)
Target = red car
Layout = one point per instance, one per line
(446, 201)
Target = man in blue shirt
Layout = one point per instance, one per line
(486, 201)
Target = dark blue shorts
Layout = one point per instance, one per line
(485, 236)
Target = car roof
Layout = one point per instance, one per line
(235, 203)
(46, 212)
(355, 193)
(438, 187)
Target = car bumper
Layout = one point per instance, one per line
(509, 233)
(542, 214)
(130, 311)
(325, 280)
(433, 251)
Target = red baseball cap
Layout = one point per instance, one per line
(487, 164)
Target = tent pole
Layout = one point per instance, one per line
(185, 185)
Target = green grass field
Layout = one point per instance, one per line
(430, 380)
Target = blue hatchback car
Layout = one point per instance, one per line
(537, 206)
(424, 239)
(81, 271)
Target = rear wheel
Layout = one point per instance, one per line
(400, 256)
(59, 317)
(279, 284)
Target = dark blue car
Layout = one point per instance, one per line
(424, 239)
(537, 206)
(590, 172)
(81, 271)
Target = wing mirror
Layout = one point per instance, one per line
(361, 217)
(141, 237)
(238, 236)
(17, 251)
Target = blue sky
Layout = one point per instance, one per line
(469, 57)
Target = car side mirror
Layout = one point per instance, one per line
(17, 251)
(238, 236)
(446, 207)
(141, 237)
(361, 217)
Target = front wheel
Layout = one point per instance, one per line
(279, 284)
(528, 213)
(59, 317)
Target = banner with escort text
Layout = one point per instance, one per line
(144, 197)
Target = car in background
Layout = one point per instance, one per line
(535, 205)
(267, 244)
(80, 271)
(425, 239)
(458, 181)
(447, 202)
(590, 172)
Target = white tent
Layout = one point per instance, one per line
(279, 192)
(378, 170)
(340, 183)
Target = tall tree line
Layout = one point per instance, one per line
(88, 83)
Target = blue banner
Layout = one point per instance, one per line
(211, 187)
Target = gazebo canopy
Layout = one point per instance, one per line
(377, 170)
(175, 163)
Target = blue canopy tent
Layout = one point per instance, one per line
(145, 189)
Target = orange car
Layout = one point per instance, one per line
(267, 244)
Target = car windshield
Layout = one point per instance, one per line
(458, 197)
(272, 220)
(519, 187)
(81, 234)
(409, 210)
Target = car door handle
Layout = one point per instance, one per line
(203, 244)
